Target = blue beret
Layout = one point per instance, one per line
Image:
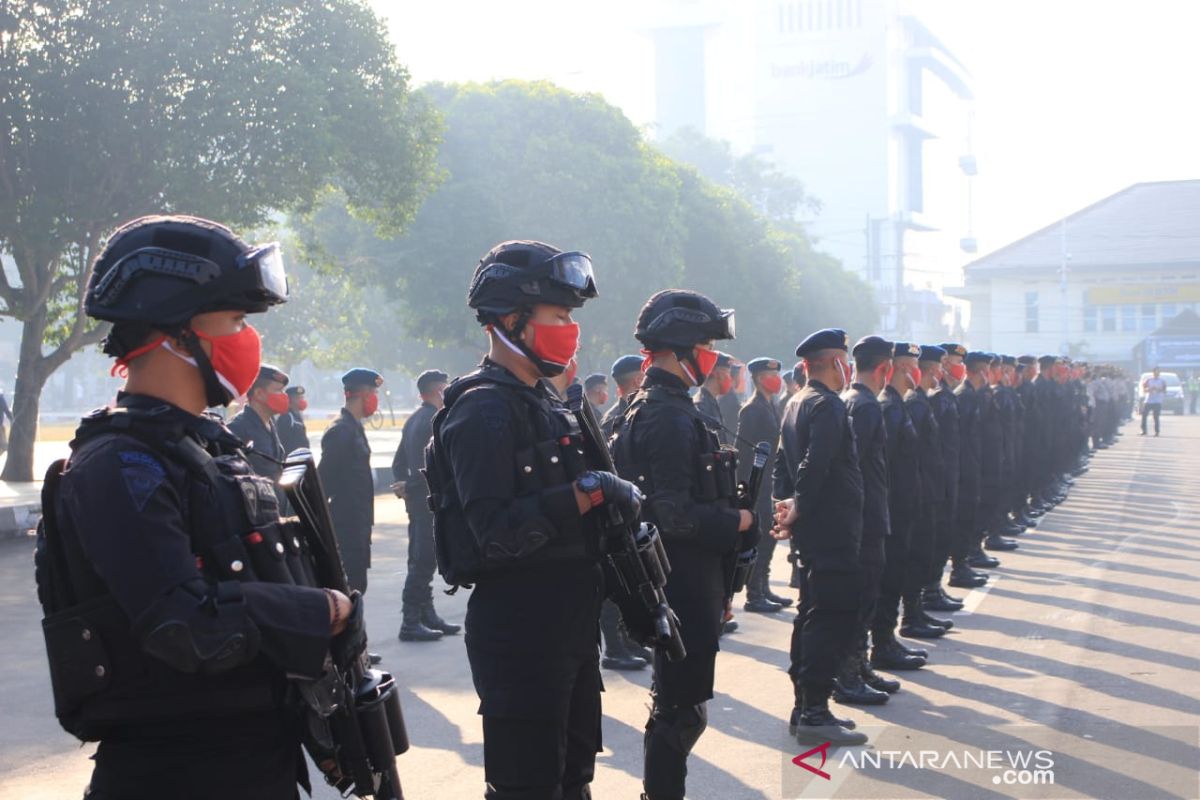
(978, 357)
(595, 379)
(907, 350)
(724, 359)
(826, 339)
(954, 349)
(361, 376)
(1027, 361)
(430, 377)
(626, 365)
(762, 364)
(875, 346)
(1046, 361)
(295, 391)
(266, 372)
(931, 352)
(1008, 361)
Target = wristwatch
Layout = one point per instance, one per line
(589, 484)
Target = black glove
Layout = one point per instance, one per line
(616, 493)
(352, 642)
(749, 537)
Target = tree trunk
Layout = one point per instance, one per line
(31, 377)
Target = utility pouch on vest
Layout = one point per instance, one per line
(268, 554)
(80, 664)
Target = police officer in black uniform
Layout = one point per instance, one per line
(856, 682)
(758, 421)
(627, 375)
(670, 448)
(942, 402)
(511, 497)
(255, 423)
(420, 620)
(293, 433)
(966, 534)
(718, 383)
(819, 487)
(165, 645)
(346, 473)
(731, 401)
(926, 374)
(595, 389)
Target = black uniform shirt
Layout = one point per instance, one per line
(127, 505)
(866, 417)
(262, 447)
(706, 401)
(929, 445)
(758, 421)
(945, 410)
(293, 434)
(346, 474)
(969, 443)
(410, 455)
(819, 469)
(613, 416)
(991, 441)
(903, 462)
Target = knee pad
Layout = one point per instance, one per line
(679, 727)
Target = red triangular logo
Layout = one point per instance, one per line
(823, 749)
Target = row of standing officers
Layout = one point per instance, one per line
(172, 545)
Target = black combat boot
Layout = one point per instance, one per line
(914, 627)
(995, 541)
(813, 723)
(933, 600)
(618, 657)
(913, 606)
(891, 656)
(981, 560)
(761, 605)
(874, 679)
(963, 577)
(849, 688)
(786, 602)
(413, 630)
(431, 620)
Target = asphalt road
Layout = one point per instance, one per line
(1083, 655)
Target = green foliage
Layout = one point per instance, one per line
(231, 110)
(530, 160)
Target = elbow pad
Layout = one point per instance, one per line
(199, 627)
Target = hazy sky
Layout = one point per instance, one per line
(1076, 99)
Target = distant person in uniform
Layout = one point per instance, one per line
(595, 388)
(346, 473)
(627, 375)
(293, 434)
(421, 622)
(718, 383)
(1155, 389)
(255, 423)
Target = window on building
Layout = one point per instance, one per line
(1108, 319)
(1128, 319)
(1089, 319)
(1149, 319)
(1169, 311)
(1031, 312)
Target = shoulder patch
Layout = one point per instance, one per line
(142, 475)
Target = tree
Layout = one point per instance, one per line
(113, 109)
(530, 160)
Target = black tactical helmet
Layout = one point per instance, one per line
(160, 271)
(520, 274)
(679, 319)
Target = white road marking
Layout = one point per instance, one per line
(975, 596)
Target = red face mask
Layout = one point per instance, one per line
(726, 384)
(370, 403)
(235, 357)
(572, 371)
(302, 405)
(706, 360)
(888, 373)
(957, 371)
(771, 384)
(554, 344)
(914, 375)
(277, 402)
